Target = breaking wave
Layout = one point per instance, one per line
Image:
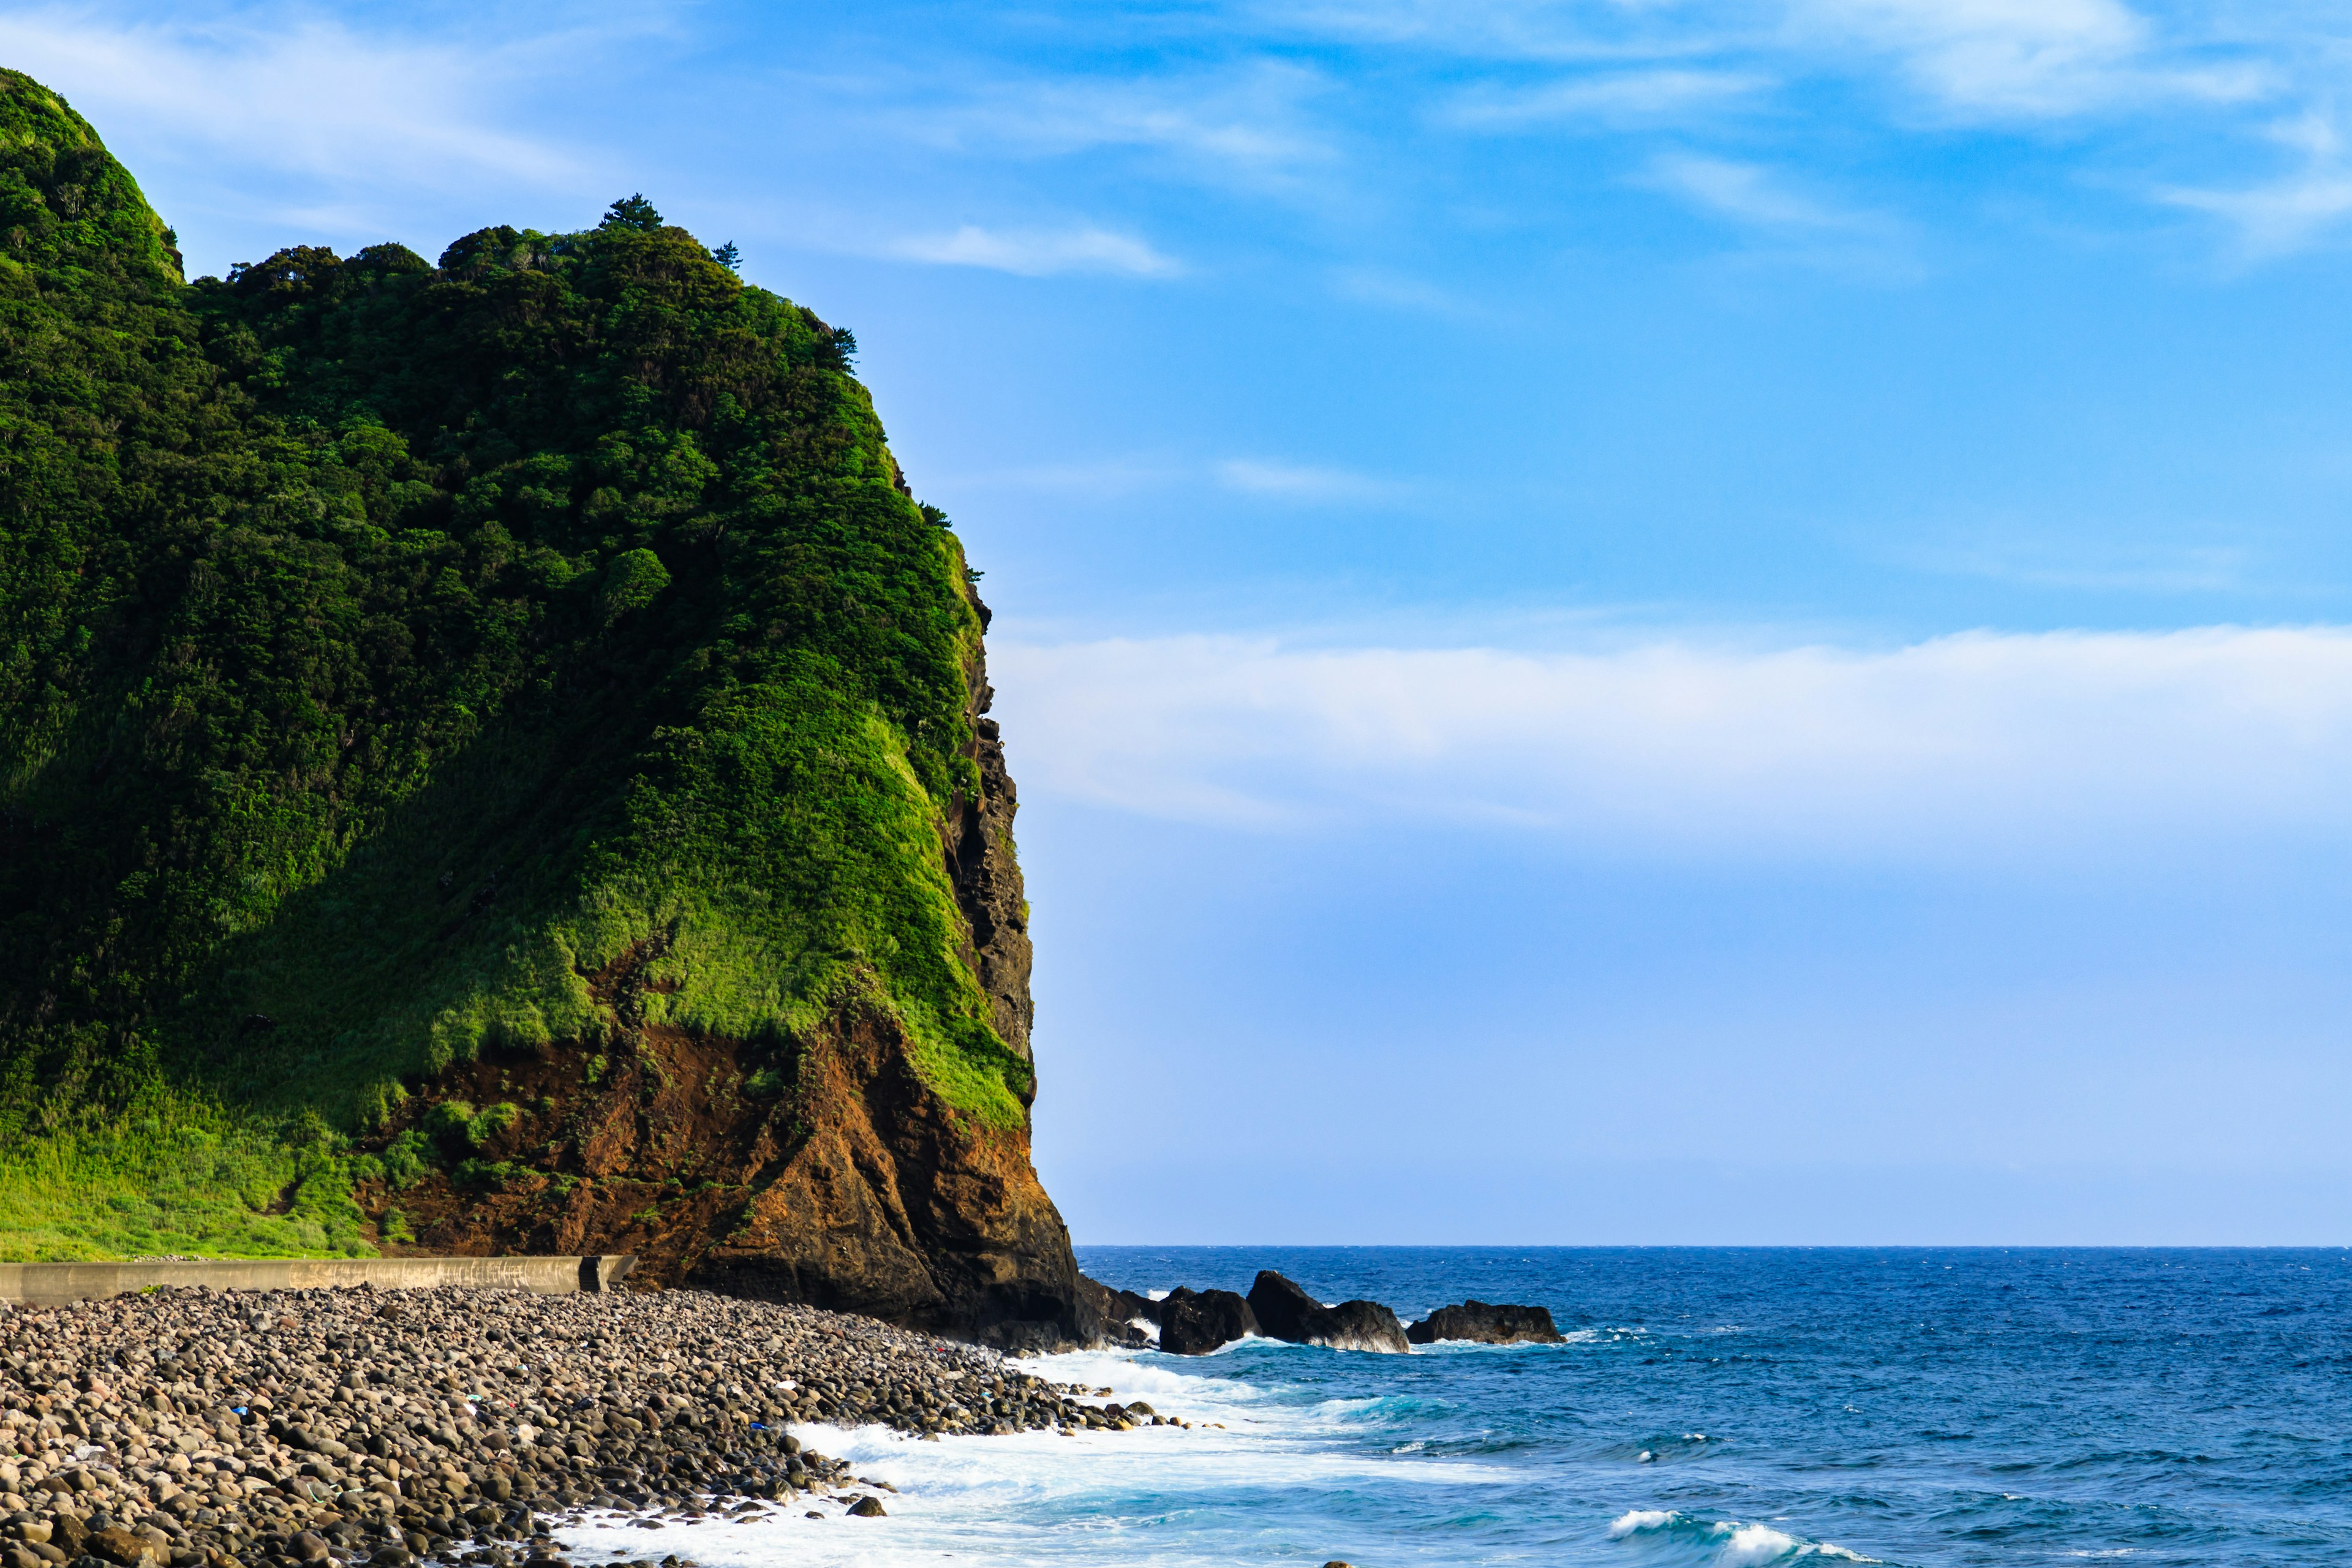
(1670, 1536)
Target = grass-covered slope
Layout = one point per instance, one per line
(388, 646)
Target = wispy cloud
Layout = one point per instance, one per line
(1747, 194)
(1300, 482)
(1242, 125)
(1613, 99)
(1039, 253)
(2276, 216)
(2064, 744)
(1398, 291)
(320, 97)
(1550, 31)
(2031, 58)
(2036, 57)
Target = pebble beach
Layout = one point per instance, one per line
(204, 1428)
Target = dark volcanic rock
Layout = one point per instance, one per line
(1116, 1311)
(1364, 1326)
(1194, 1322)
(1284, 1312)
(1485, 1324)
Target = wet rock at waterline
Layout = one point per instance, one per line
(1194, 1322)
(1116, 1312)
(1481, 1322)
(1285, 1311)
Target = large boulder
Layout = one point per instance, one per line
(1481, 1322)
(1116, 1311)
(1194, 1322)
(1285, 1311)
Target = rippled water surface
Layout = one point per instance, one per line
(1729, 1406)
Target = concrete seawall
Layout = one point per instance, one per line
(54, 1284)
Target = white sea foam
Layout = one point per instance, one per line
(1632, 1519)
(1094, 1499)
(1751, 1545)
(1724, 1542)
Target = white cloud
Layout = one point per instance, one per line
(1610, 98)
(1747, 194)
(319, 98)
(1241, 126)
(2030, 56)
(1039, 253)
(1300, 481)
(2052, 746)
(1979, 59)
(2285, 215)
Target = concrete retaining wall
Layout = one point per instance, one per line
(53, 1284)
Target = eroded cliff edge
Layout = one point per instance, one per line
(845, 1184)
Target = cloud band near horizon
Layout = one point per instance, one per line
(2061, 746)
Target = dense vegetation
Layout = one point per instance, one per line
(388, 646)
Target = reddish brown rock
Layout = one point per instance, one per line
(826, 1172)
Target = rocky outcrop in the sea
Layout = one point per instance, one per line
(1481, 1322)
(1194, 1322)
(1285, 1311)
(1120, 1312)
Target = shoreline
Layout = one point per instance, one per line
(195, 1427)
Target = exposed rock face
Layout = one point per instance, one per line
(988, 877)
(848, 1187)
(1194, 1322)
(1285, 1311)
(1480, 1322)
(853, 1190)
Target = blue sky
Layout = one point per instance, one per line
(1618, 622)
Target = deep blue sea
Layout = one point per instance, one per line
(1718, 1406)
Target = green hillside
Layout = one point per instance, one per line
(386, 646)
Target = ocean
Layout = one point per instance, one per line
(1725, 1406)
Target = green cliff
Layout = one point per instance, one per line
(533, 657)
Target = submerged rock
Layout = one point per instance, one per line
(1285, 1311)
(1481, 1322)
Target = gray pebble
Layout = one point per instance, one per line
(230, 1429)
